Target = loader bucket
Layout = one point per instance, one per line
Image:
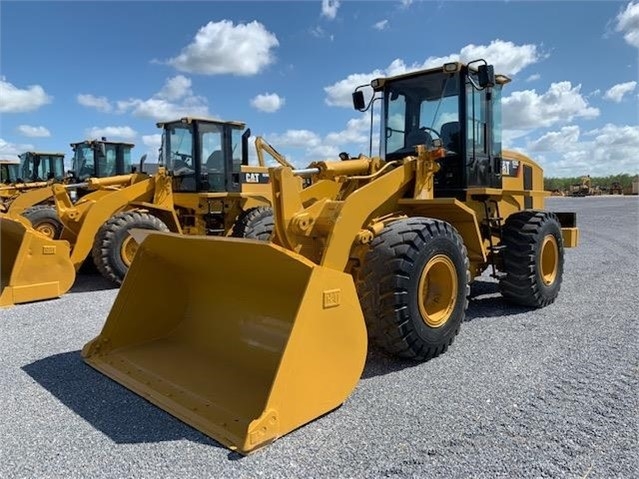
(33, 267)
(241, 339)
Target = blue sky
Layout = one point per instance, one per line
(76, 70)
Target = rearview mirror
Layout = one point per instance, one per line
(358, 100)
(486, 76)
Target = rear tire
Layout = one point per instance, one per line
(414, 286)
(256, 223)
(114, 249)
(533, 258)
(44, 218)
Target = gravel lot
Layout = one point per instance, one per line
(527, 393)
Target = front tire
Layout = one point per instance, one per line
(114, 248)
(414, 286)
(533, 258)
(44, 218)
(257, 223)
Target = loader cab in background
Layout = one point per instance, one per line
(41, 166)
(100, 159)
(204, 155)
(456, 106)
(9, 171)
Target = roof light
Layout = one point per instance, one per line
(451, 67)
(377, 83)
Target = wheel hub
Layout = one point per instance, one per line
(549, 260)
(127, 250)
(46, 229)
(437, 291)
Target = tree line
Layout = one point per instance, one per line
(563, 184)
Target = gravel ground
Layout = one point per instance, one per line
(526, 393)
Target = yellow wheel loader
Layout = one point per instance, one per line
(35, 170)
(91, 159)
(247, 340)
(206, 187)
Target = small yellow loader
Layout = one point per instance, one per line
(35, 170)
(205, 187)
(92, 159)
(247, 340)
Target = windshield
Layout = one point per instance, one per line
(178, 154)
(36, 167)
(83, 161)
(420, 109)
(9, 172)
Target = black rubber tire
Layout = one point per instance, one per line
(523, 236)
(255, 223)
(111, 236)
(44, 218)
(388, 287)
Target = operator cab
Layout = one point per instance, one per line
(101, 159)
(41, 166)
(455, 106)
(9, 171)
(204, 155)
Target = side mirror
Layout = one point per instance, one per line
(245, 147)
(486, 76)
(358, 100)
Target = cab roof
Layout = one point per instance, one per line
(499, 78)
(106, 142)
(191, 119)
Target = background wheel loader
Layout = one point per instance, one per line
(91, 159)
(205, 187)
(35, 170)
(9, 171)
(247, 340)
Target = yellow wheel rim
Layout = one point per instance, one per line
(549, 259)
(437, 291)
(127, 250)
(46, 229)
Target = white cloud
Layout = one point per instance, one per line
(268, 102)
(311, 146)
(617, 92)
(612, 149)
(152, 141)
(555, 140)
(100, 103)
(164, 105)
(506, 57)
(628, 23)
(356, 132)
(533, 77)
(381, 25)
(10, 149)
(329, 8)
(122, 132)
(527, 110)
(295, 139)
(175, 88)
(16, 100)
(224, 48)
(34, 131)
(406, 3)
